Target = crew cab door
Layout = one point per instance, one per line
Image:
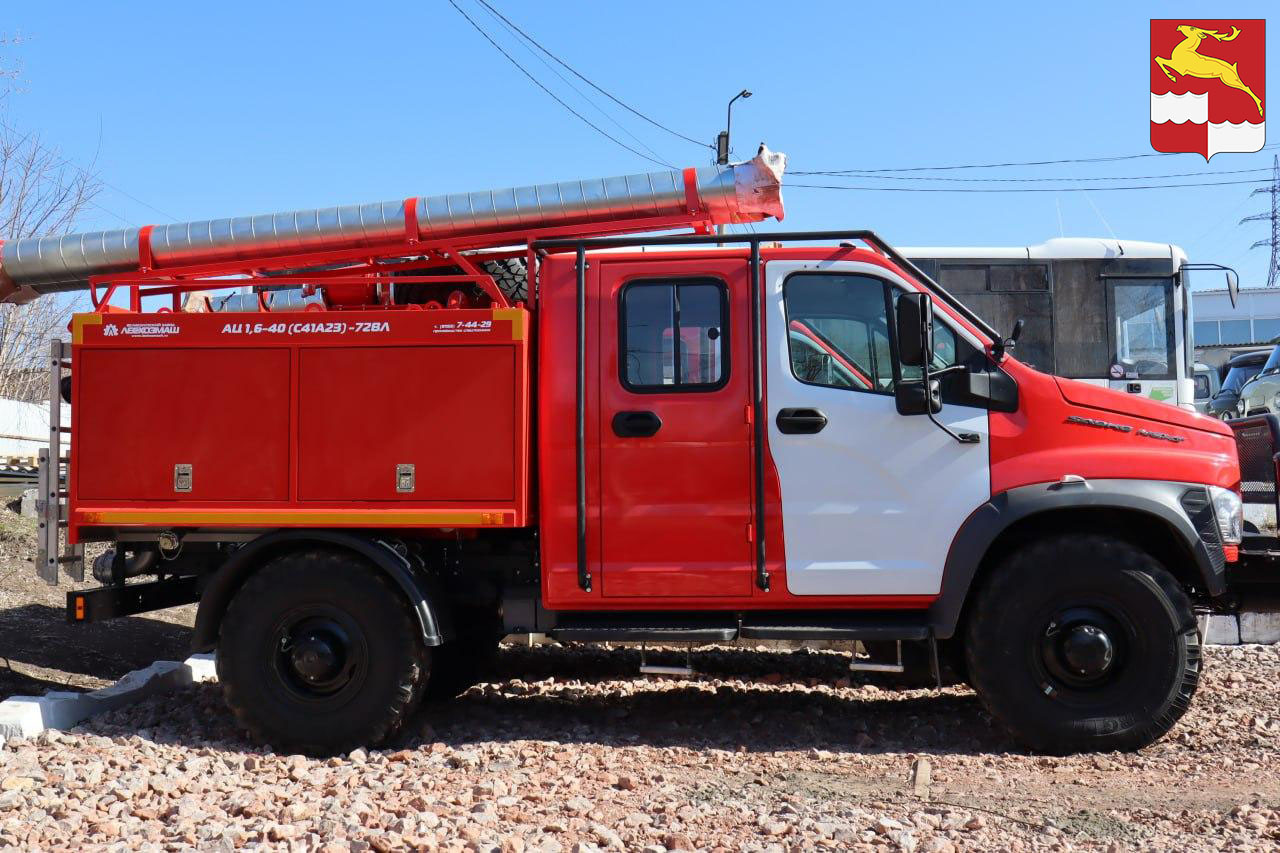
(870, 499)
(675, 455)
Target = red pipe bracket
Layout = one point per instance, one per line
(691, 191)
(411, 220)
(145, 259)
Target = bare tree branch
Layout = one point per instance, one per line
(40, 193)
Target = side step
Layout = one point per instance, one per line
(636, 627)
(843, 626)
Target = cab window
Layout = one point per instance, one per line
(673, 335)
(838, 334)
(838, 331)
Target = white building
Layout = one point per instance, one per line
(1221, 330)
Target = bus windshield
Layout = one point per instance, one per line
(1142, 318)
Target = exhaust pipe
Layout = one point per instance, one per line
(743, 192)
(112, 567)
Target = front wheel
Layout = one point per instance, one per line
(1083, 643)
(318, 653)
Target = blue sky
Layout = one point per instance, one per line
(195, 110)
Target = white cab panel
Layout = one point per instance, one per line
(870, 504)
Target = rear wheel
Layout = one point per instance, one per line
(1083, 643)
(318, 654)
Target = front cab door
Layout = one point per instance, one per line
(870, 498)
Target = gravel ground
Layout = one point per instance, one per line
(762, 750)
(39, 651)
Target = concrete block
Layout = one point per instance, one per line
(203, 667)
(1220, 629)
(1260, 627)
(27, 716)
(27, 503)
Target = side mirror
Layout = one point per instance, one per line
(914, 321)
(911, 399)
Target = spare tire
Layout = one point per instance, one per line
(512, 277)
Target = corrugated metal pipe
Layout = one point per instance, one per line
(742, 192)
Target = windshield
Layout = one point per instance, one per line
(1142, 322)
(1273, 362)
(1202, 386)
(1237, 376)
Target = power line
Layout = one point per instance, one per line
(864, 172)
(1017, 189)
(1041, 180)
(509, 27)
(550, 93)
(579, 75)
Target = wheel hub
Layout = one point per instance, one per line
(316, 656)
(1088, 650)
(1082, 647)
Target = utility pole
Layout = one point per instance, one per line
(1273, 271)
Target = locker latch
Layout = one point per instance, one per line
(404, 478)
(182, 477)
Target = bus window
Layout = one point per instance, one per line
(1004, 293)
(1080, 320)
(1143, 328)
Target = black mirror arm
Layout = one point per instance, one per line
(926, 376)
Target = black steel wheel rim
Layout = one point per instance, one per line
(318, 655)
(1083, 649)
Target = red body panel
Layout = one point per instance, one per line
(449, 411)
(1038, 444)
(293, 420)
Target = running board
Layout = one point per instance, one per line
(844, 629)
(635, 627)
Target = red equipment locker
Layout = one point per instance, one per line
(381, 418)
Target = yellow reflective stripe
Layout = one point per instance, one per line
(373, 518)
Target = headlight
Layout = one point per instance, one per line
(1240, 406)
(1229, 511)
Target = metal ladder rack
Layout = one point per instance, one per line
(53, 482)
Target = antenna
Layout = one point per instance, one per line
(1273, 271)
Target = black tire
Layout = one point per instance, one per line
(511, 277)
(1037, 640)
(354, 659)
(467, 659)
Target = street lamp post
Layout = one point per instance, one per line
(722, 139)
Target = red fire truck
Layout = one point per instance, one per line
(525, 411)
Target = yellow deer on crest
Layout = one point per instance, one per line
(1185, 61)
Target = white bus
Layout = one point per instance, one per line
(1115, 313)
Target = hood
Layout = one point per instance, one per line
(1117, 402)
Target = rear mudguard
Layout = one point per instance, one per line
(419, 591)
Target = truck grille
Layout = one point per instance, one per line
(1257, 440)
